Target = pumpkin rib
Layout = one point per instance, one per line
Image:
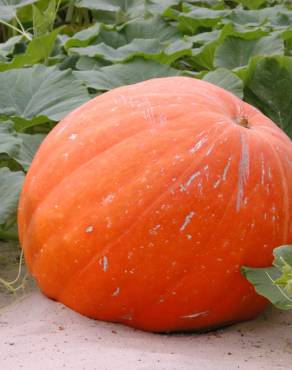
(284, 188)
(151, 205)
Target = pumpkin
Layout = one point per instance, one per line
(141, 206)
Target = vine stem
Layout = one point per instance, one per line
(16, 29)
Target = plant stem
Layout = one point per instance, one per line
(7, 285)
(16, 29)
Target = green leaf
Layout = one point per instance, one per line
(236, 52)
(84, 37)
(117, 75)
(7, 48)
(18, 146)
(10, 186)
(28, 148)
(274, 283)
(269, 88)
(160, 6)
(38, 50)
(8, 7)
(127, 9)
(200, 17)
(146, 38)
(9, 142)
(227, 80)
(251, 4)
(43, 21)
(38, 93)
(87, 63)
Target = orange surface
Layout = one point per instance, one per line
(141, 206)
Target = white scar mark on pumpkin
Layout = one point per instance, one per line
(104, 263)
(209, 151)
(108, 199)
(187, 220)
(116, 292)
(223, 177)
(89, 229)
(194, 315)
(243, 171)
(263, 171)
(154, 230)
(192, 178)
(226, 169)
(73, 136)
(199, 144)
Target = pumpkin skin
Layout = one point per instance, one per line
(141, 206)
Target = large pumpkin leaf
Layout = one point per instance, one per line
(7, 48)
(117, 75)
(39, 94)
(200, 17)
(268, 86)
(9, 143)
(10, 186)
(251, 4)
(28, 148)
(274, 283)
(84, 37)
(236, 52)
(18, 146)
(227, 80)
(151, 39)
(127, 8)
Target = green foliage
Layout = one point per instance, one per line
(274, 283)
(55, 55)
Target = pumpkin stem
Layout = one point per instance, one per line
(243, 121)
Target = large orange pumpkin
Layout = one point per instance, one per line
(141, 206)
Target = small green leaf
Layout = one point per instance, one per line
(10, 186)
(227, 80)
(43, 21)
(275, 282)
(38, 50)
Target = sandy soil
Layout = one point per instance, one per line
(37, 333)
